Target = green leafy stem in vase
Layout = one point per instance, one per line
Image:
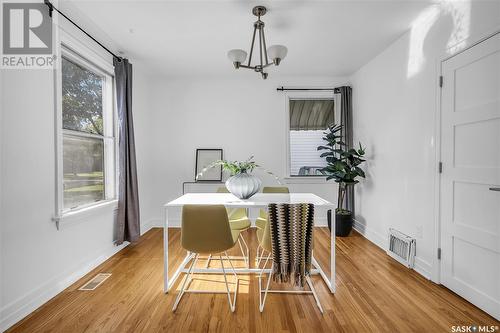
(237, 167)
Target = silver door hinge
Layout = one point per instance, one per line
(439, 253)
(441, 81)
(440, 167)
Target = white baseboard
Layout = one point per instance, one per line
(17, 310)
(371, 235)
(321, 222)
(153, 223)
(422, 267)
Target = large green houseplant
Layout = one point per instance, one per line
(343, 167)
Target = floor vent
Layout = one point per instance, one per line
(95, 281)
(402, 248)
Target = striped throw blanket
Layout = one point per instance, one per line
(291, 227)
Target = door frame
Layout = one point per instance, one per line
(474, 40)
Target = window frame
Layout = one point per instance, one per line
(305, 95)
(78, 53)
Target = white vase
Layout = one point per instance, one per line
(243, 185)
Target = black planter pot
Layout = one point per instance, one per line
(343, 224)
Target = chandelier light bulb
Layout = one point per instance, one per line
(277, 53)
(237, 56)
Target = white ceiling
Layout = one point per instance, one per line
(179, 38)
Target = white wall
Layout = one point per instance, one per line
(37, 261)
(142, 108)
(243, 114)
(395, 109)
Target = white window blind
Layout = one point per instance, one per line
(304, 153)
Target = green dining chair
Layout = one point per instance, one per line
(205, 230)
(261, 221)
(238, 220)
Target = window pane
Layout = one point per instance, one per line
(83, 170)
(309, 118)
(310, 114)
(81, 98)
(305, 158)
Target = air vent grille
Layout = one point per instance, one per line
(95, 282)
(402, 248)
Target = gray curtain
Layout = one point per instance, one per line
(127, 223)
(347, 136)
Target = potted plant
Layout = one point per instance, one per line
(241, 182)
(343, 167)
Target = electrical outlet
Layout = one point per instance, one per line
(420, 231)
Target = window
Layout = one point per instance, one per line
(88, 133)
(308, 119)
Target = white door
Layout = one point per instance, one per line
(470, 182)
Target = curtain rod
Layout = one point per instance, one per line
(335, 90)
(52, 8)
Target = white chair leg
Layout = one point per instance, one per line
(232, 268)
(208, 260)
(242, 251)
(262, 302)
(257, 254)
(247, 256)
(260, 255)
(309, 282)
(188, 277)
(232, 305)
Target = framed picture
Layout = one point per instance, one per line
(205, 157)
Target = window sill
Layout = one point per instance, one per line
(84, 211)
(307, 180)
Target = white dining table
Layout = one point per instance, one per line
(257, 201)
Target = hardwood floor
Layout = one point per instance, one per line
(374, 294)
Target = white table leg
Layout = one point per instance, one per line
(332, 255)
(165, 250)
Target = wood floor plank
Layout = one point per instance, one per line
(374, 294)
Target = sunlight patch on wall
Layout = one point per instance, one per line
(460, 12)
(419, 29)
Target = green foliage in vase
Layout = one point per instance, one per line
(237, 167)
(343, 162)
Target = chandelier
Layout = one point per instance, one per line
(275, 52)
